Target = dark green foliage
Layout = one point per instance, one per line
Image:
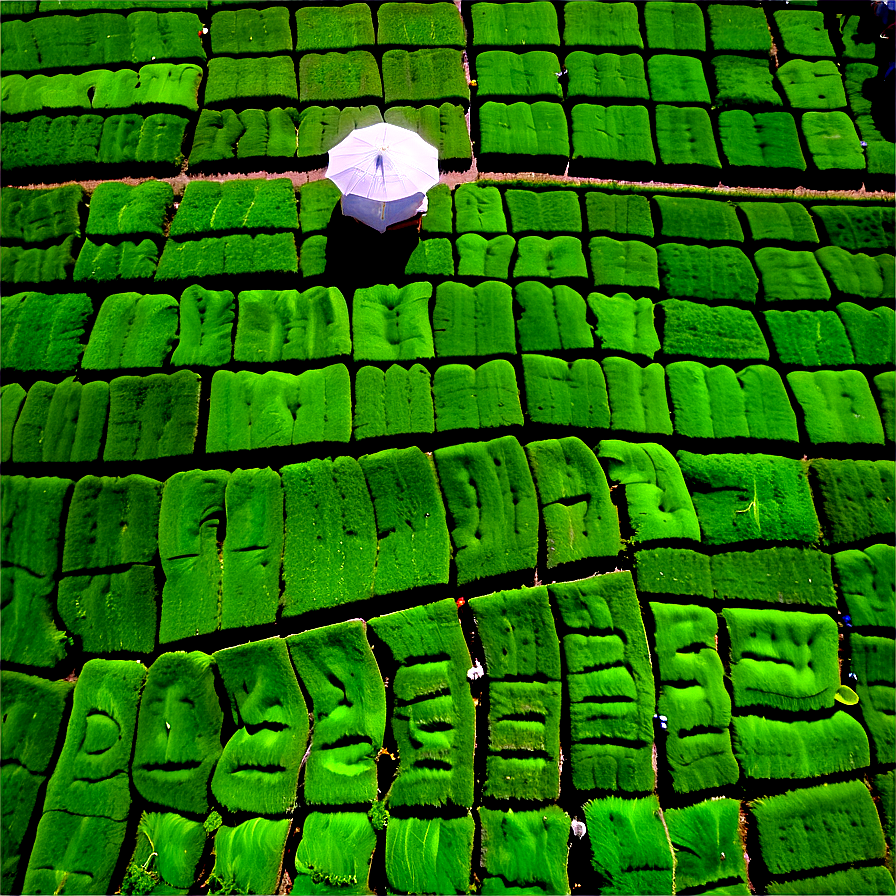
(707, 843)
(433, 714)
(701, 331)
(252, 32)
(869, 879)
(330, 549)
(551, 319)
(677, 79)
(743, 81)
(788, 276)
(659, 505)
(885, 387)
(763, 140)
(160, 83)
(709, 273)
(873, 660)
(444, 127)
(490, 497)
(391, 323)
(716, 403)
(239, 254)
(249, 856)
(809, 338)
(525, 850)
(30, 265)
(334, 28)
(439, 217)
(565, 393)
(684, 136)
(628, 263)
(556, 210)
(111, 611)
(127, 260)
(812, 85)
(430, 258)
(322, 127)
(43, 332)
(289, 325)
(624, 324)
(180, 716)
(884, 785)
(675, 26)
(698, 219)
(854, 274)
(129, 138)
(334, 854)
(778, 575)
(249, 204)
(521, 651)
(619, 213)
(741, 28)
(259, 768)
(253, 410)
(515, 24)
(779, 221)
(32, 711)
(266, 78)
(693, 699)
(852, 31)
(12, 396)
(609, 682)
(206, 323)
(606, 76)
(313, 260)
(36, 216)
(855, 498)
(191, 512)
(611, 134)
(803, 33)
(424, 76)
(832, 141)
(474, 398)
(798, 749)
(252, 133)
(132, 331)
(500, 73)
(352, 77)
(64, 140)
(741, 497)
(32, 510)
(430, 855)
(419, 24)
(637, 396)
(816, 827)
(783, 660)
(630, 849)
(152, 416)
(536, 131)
(117, 209)
(601, 24)
(479, 209)
(336, 665)
(397, 401)
(579, 518)
(674, 571)
(91, 775)
(169, 846)
(867, 584)
(837, 406)
(855, 228)
(481, 257)
(413, 550)
(559, 258)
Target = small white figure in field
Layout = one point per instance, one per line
(476, 672)
(578, 828)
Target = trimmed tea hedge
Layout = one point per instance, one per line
(709, 273)
(419, 25)
(352, 77)
(788, 222)
(791, 276)
(515, 24)
(601, 24)
(606, 76)
(38, 216)
(698, 219)
(743, 81)
(206, 323)
(249, 134)
(619, 213)
(256, 203)
(610, 134)
(684, 136)
(473, 320)
(812, 85)
(551, 319)
(565, 393)
(533, 75)
(132, 331)
(423, 76)
(837, 406)
(624, 324)
(270, 79)
(391, 323)
(397, 401)
(234, 255)
(523, 134)
(476, 398)
(718, 332)
(809, 338)
(675, 26)
(43, 332)
(866, 581)
(117, 209)
(251, 32)
(334, 28)
(739, 29)
(677, 79)
(763, 140)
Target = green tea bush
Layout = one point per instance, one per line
(803, 33)
(442, 126)
(637, 396)
(252, 133)
(832, 141)
(255, 203)
(474, 398)
(738, 29)
(330, 550)
(523, 133)
(288, 325)
(675, 26)
(335, 851)
(490, 496)
(624, 324)
(430, 76)
(42, 332)
(419, 25)
(430, 258)
(413, 550)
(867, 584)
(41, 141)
(235, 255)
(439, 217)
(442, 864)
(606, 76)
(339, 773)
(551, 320)
(479, 209)
(160, 83)
(251, 32)
(674, 571)
(854, 498)
(32, 265)
(677, 79)
(619, 213)
(712, 274)
(553, 211)
(127, 260)
(868, 879)
(38, 216)
(872, 661)
(856, 228)
(809, 338)
(206, 324)
(266, 78)
(788, 222)
(117, 209)
(392, 324)
(352, 77)
(791, 276)
(852, 31)
(515, 24)
(320, 128)
(743, 81)
(886, 400)
(129, 138)
(254, 410)
(558, 258)
(533, 75)
(12, 396)
(481, 257)
(610, 134)
(169, 847)
(707, 843)
(334, 28)
(601, 25)
(316, 203)
(397, 401)
(565, 393)
(837, 406)
(473, 321)
(684, 136)
(701, 331)
(628, 263)
(249, 856)
(854, 274)
(699, 219)
(763, 140)
(812, 85)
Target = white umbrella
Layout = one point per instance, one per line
(383, 172)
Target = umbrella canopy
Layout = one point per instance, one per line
(383, 172)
